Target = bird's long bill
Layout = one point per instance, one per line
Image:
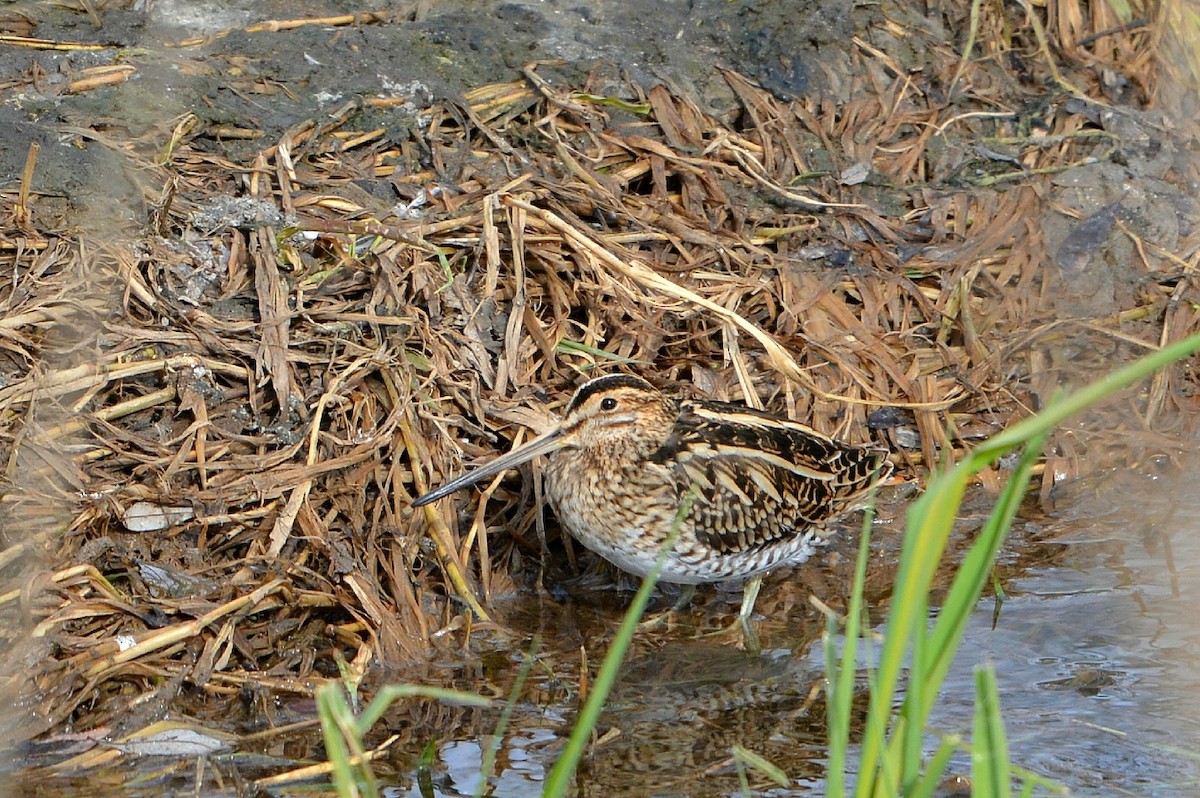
(544, 444)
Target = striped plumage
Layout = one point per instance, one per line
(625, 455)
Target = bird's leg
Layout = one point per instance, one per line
(746, 613)
(686, 592)
(743, 627)
(749, 596)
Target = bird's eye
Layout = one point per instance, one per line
(608, 403)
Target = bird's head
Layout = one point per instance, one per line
(617, 412)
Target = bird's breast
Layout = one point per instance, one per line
(622, 509)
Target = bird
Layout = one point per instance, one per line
(715, 491)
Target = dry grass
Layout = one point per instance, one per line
(290, 395)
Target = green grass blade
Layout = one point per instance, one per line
(1122, 9)
(840, 676)
(912, 741)
(930, 520)
(745, 756)
(935, 769)
(837, 717)
(386, 696)
(339, 731)
(568, 347)
(488, 762)
(973, 574)
(929, 523)
(344, 733)
(559, 778)
(1058, 412)
(425, 762)
(990, 776)
(933, 653)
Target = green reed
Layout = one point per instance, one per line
(892, 759)
(345, 731)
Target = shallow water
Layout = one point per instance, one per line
(1095, 649)
(1098, 654)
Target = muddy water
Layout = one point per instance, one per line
(1095, 649)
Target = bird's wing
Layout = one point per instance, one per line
(758, 478)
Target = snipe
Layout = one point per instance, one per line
(625, 456)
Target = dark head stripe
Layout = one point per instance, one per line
(606, 383)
